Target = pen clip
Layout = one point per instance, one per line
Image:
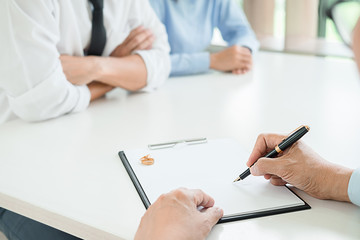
(174, 143)
(294, 131)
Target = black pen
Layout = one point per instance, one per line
(287, 142)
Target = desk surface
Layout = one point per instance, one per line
(66, 172)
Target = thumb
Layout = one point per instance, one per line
(267, 166)
(212, 215)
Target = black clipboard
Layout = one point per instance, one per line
(224, 219)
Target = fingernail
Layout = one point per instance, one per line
(254, 170)
(219, 211)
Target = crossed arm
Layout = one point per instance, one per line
(120, 69)
(41, 86)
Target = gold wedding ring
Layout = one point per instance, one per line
(147, 160)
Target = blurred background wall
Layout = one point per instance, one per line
(300, 26)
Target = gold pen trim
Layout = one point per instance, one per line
(278, 149)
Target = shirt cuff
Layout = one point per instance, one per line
(157, 66)
(354, 187)
(252, 44)
(202, 61)
(84, 98)
(187, 63)
(248, 48)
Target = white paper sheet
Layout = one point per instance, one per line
(211, 167)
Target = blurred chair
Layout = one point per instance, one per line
(344, 14)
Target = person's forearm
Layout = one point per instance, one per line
(338, 182)
(356, 44)
(98, 90)
(128, 72)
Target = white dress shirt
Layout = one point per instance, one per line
(34, 34)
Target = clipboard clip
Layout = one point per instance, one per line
(174, 143)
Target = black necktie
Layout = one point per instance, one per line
(98, 32)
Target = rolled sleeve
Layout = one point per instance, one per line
(187, 63)
(157, 66)
(157, 60)
(51, 98)
(354, 187)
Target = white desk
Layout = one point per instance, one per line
(66, 172)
